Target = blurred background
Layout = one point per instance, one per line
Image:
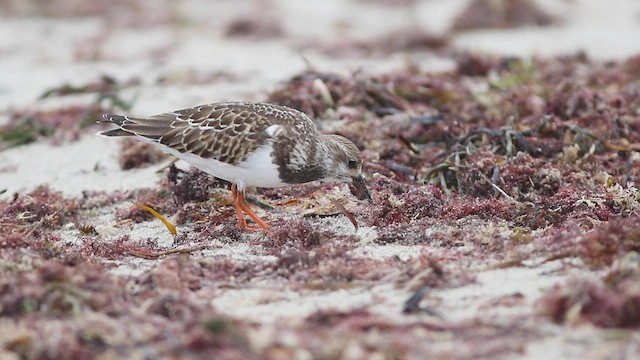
(184, 52)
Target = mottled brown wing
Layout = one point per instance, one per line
(226, 132)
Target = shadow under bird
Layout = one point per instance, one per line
(249, 145)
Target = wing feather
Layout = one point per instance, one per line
(224, 131)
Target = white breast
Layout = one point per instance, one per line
(258, 170)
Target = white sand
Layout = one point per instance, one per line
(38, 54)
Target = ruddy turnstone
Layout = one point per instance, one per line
(249, 145)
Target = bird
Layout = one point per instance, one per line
(249, 144)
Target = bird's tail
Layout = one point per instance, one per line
(118, 120)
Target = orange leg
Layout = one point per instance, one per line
(241, 206)
(236, 202)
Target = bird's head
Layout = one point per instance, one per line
(346, 164)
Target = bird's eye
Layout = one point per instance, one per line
(352, 164)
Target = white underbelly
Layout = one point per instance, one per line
(258, 170)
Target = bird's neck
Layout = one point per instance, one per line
(305, 162)
(324, 156)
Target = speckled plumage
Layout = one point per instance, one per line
(248, 144)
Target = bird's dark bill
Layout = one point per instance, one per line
(359, 189)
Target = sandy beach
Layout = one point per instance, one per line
(500, 272)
